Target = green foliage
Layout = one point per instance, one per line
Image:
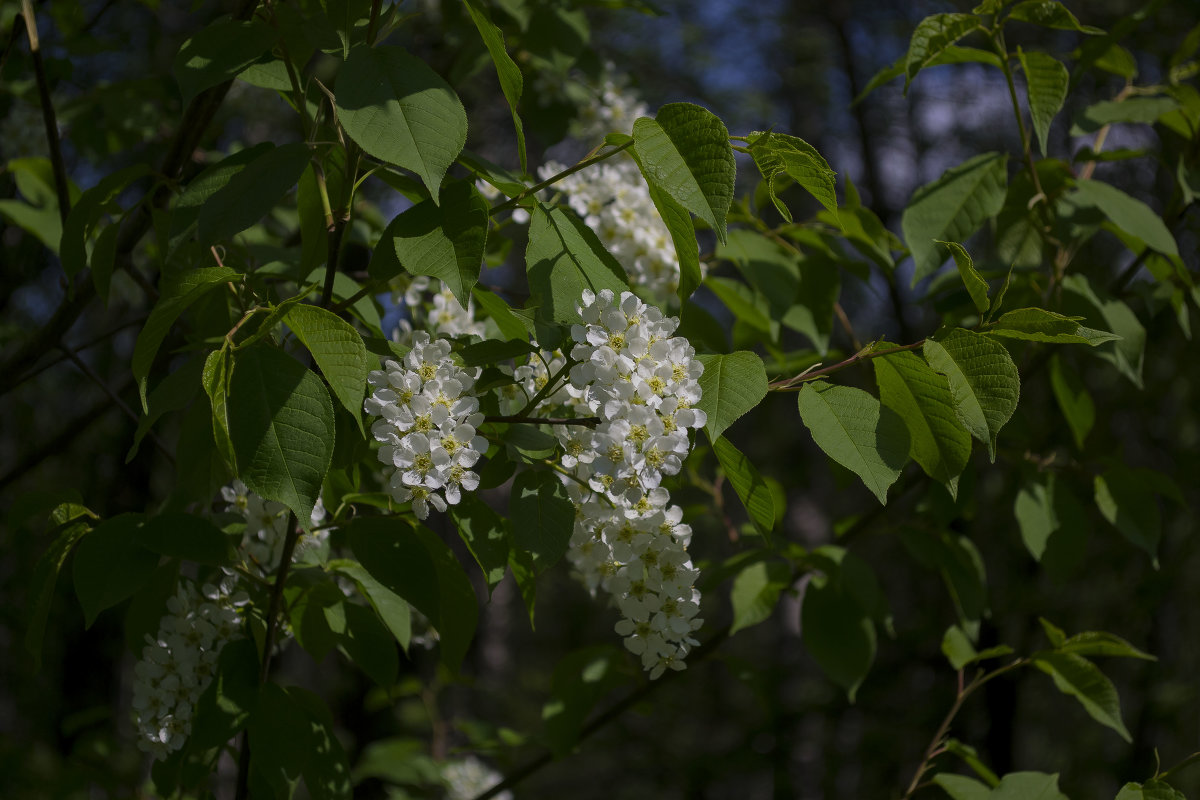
(684, 152)
(983, 379)
(732, 385)
(563, 259)
(856, 431)
(402, 112)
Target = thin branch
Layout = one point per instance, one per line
(373, 23)
(78, 348)
(551, 386)
(629, 701)
(59, 443)
(553, 179)
(192, 127)
(61, 187)
(589, 422)
(790, 384)
(276, 601)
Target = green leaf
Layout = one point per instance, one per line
(215, 378)
(1034, 510)
(563, 258)
(338, 351)
(1130, 506)
(86, 213)
(931, 37)
(368, 643)
(755, 592)
(185, 210)
(857, 432)
(976, 286)
(983, 381)
(175, 295)
(952, 208)
(1046, 80)
(512, 326)
(391, 607)
(581, 679)
(543, 517)
(400, 111)
(281, 426)
(951, 54)
(1150, 790)
(683, 238)
(730, 386)
(1073, 399)
(252, 192)
(1050, 14)
(486, 536)
(172, 393)
(511, 82)
(837, 633)
(218, 53)
(292, 737)
(1145, 110)
(748, 305)
(110, 565)
(957, 647)
(45, 575)
(749, 485)
(684, 152)
(104, 260)
(1127, 213)
(1128, 352)
(225, 706)
(415, 564)
(960, 787)
(1076, 676)
(1028, 786)
(1040, 325)
(922, 399)
(38, 214)
(957, 560)
(186, 536)
(1101, 643)
(778, 154)
(446, 242)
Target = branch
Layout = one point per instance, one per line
(553, 179)
(48, 117)
(192, 127)
(633, 698)
(789, 384)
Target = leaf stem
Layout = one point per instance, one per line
(790, 384)
(553, 179)
(551, 386)
(1026, 143)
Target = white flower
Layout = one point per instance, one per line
(468, 777)
(427, 426)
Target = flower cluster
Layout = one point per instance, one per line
(469, 777)
(639, 555)
(435, 309)
(178, 664)
(613, 200)
(642, 383)
(180, 660)
(428, 419)
(613, 110)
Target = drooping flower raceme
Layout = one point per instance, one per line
(643, 384)
(469, 777)
(179, 661)
(435, 309)
(427, 426)
(178, 664)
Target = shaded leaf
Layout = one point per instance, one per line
(543, 517)
(110, 565)
(281, 426)
(218, 53)
(749, 485)
(252, 192)
(563, 258)
(755, 592)
(338, 351)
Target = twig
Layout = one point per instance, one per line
(789, 384)
(373, 23)
(48, 117)
(78, 348)
(116, 398)
(59, 443)
(553, 179)
(633, 698)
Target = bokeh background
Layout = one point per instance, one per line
(757, 719)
